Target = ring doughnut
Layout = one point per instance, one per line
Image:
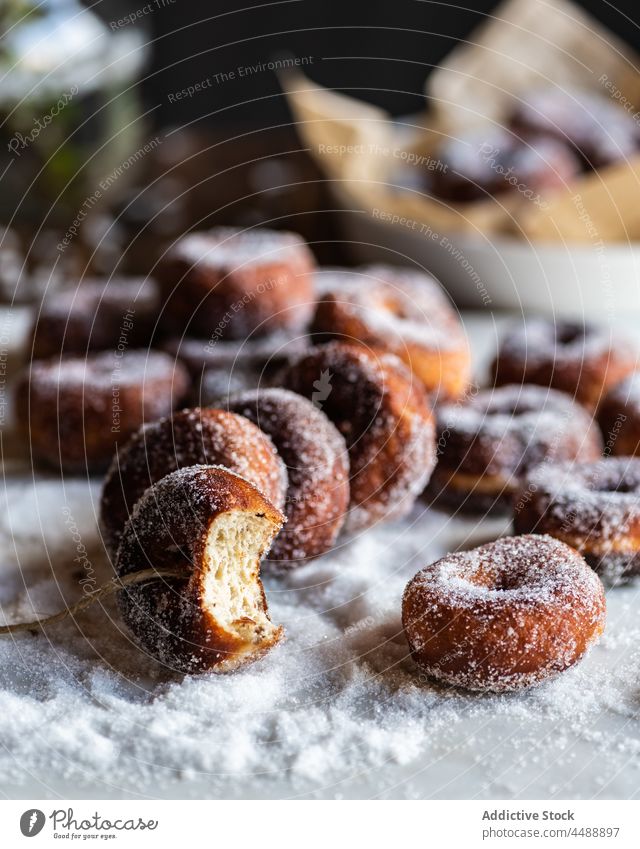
(188, 438)
(594, 507)
(383, 415)
(229, 283)
(503, 616)
(317, 462)
(582, 360)
(619, 417)
(487, 445)
(74, 411)
(401, 311)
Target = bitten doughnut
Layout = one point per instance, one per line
(377, 405)
(487, 445)
(98, 315)
(188, 438)
(75, 411)
(595, 507)
(215, 526)
(581, 360)
(401, 311)
(503, 616)
(619, 417)
(228, 283)
(317, 462)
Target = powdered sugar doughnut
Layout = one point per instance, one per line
(595, 507)
(503, 616)
(487, 445)
(215, 527)
(263, 354)
(317, 462)
(383, 415)
(98, 315)
(228, 283)
(223, 367)
(580, 359)
(190, 437)
(75, 411)
(619, 417)
(399, 310)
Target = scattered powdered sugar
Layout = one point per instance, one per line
(339, 709)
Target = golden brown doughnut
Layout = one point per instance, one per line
(503, 616)
(227, 283)
(582, 360)
(215, 526)
(402, 311)
(594, 507)
(377, 405)
(619, 417)
(98, 315)
(487, 445)
(75, 411)
(317, 462)
(188, 438)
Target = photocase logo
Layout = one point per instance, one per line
(32, 822)
(322, 389)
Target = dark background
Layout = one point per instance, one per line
(235, 157)
(379, 51)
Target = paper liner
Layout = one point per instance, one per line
(525, 43)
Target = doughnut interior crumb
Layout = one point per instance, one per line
(232, 591)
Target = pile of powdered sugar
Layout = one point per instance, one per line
(338, 709)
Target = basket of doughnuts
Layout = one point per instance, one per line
(521, 172)
(269, 410)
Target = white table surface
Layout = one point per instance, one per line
(567, 740)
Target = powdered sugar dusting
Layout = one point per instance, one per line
(338, 709)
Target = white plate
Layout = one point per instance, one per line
(596, 281)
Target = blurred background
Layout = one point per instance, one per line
(126, 123)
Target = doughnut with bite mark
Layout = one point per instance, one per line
(582, 360)
(317, 462)
(216, 526)
(504, 616)
(382, 412)
(594, 507)
(190, 437)
(401, 311)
